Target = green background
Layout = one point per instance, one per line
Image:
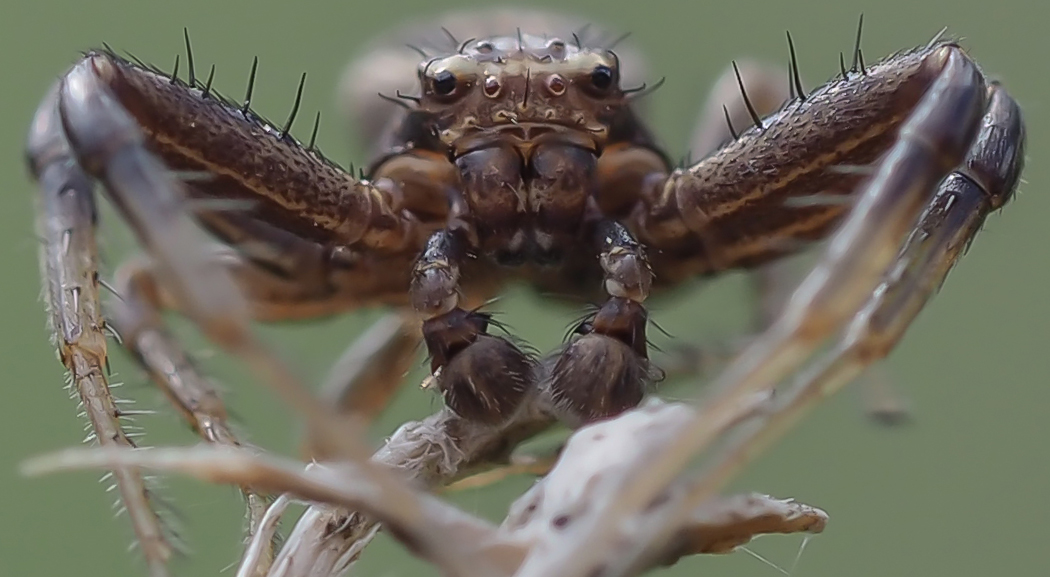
(962, 491)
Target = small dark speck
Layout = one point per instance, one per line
(561, 521)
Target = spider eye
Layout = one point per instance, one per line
(602, 77)
(444, 83)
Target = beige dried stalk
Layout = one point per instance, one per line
(350, 499)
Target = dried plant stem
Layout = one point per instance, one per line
(456, 542)
(434, 530)
(431, 452)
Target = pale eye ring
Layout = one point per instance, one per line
(556, 84)
(492, 86)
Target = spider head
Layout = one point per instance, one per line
(519, 89)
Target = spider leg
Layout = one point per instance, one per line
(933, 141)
(983, 183)
(825, 146)
(122, 121)
(70, 265)
(787, 183)
(724, 116)
(961, 130)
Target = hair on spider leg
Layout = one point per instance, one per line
(246, 107)
(295, 108)
(729, 123)
(747, 101)
(858, 59)
(936, 38)
(312, 147)
(130, 56)
(189, 58)
(206, 91)
(581, 324)
(175, 73)
(796, 79)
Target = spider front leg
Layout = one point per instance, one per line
(948, 121)
(129, 126)
(984, 182)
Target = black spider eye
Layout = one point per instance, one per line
(602, 77)
(444, 83)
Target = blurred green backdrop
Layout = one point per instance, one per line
(960, 492)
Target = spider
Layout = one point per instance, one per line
(520, 155)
